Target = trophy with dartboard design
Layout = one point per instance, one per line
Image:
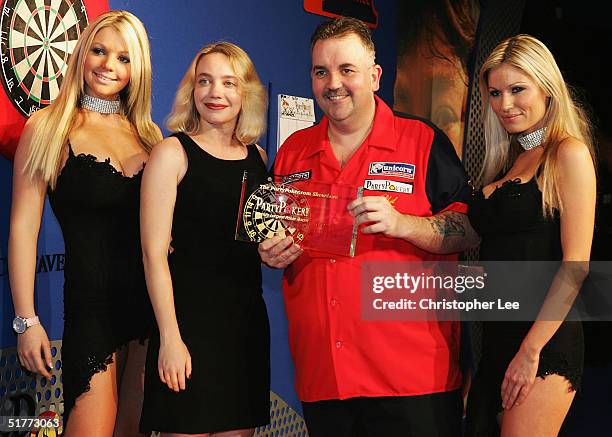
(313, 213)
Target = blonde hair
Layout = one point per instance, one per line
(563, 118)
(53, 124)
(252, 118)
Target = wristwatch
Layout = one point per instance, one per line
(20, 324)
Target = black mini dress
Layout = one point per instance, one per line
(106, 303)
(219, 305)
(513, 228)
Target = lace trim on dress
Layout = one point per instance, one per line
(511, 187)
(81, 379)
(105, 166)
(95, 364)
(558, 365)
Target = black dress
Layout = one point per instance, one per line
(512, 228)
(219, 306)
(105, 297)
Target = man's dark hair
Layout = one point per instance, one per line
(343, 26)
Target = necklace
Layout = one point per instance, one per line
(97, 104)
(531, 140)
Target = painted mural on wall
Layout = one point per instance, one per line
(435, 40)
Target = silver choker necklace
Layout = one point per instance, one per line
(531, 140)
(102, 106)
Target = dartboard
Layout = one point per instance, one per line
(37, 39)
(268, 213)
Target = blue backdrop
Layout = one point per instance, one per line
(276, 35)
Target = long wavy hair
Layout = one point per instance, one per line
(564, 116)
(53, 124)
(252, 118)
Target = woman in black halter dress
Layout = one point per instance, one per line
(208, 362)
(538, 204)
(87, 150)
(512, 228)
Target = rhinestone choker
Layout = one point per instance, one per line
(102, 106)
(531, 140)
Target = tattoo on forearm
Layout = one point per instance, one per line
(448, 225)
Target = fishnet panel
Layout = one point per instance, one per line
(499, 19)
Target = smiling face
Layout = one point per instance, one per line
(344, 79)
(106, 70)
(518, 102)
(217, 94)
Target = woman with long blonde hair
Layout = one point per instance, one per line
(87, 150)
(537, 204)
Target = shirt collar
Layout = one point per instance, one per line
(381, 136)
(320, 139)
(383, 129)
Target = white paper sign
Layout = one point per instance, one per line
(294, 113)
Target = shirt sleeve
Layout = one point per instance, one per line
(446, 182)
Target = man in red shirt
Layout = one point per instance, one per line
(357, 377)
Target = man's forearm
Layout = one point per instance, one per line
(447, 232)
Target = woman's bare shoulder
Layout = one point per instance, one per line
(573, 154)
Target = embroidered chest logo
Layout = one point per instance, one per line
(392, 199)
(400, 169)
(386, 185)
(294, 177)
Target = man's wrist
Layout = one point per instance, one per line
(406, 227)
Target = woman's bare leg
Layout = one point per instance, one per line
(131, 389)
(543, 412)
(94, 412)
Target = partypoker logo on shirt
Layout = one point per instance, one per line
(386, 185)
(401, 169)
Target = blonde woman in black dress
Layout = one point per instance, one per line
(208, 363)
(537, 204)
(87, 150)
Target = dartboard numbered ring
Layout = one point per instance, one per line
(37, 38)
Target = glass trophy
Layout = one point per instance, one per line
(314, 213)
